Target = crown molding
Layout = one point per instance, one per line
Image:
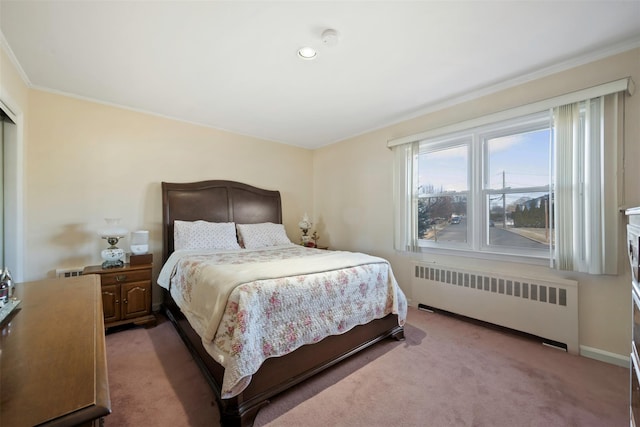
(4, 44)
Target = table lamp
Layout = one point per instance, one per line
(112, 233)
(305, 225)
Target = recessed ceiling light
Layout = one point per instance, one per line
(307, 53)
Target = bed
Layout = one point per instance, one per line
(221, 201)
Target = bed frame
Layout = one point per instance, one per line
(226, 201)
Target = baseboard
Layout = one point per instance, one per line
(604, 356)
(598, 354)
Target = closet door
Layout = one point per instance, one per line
(8, 192)
(2, 168)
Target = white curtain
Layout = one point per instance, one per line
(585, 222)
(405, 187)
(565, 141)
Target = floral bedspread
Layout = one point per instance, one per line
(274, 316)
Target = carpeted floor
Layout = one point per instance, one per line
(447, 372)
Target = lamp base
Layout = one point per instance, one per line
(113, 264)
(112, 257)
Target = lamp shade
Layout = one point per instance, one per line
(305, 223)
(112, 229)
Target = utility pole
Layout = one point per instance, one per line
(546, 220)
(504, 202)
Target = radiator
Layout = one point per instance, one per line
(69, 272)
(544, 308)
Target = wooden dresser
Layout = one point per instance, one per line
(53, 366)
(633, 247)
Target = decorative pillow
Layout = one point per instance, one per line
(204, 235)
(262, 235)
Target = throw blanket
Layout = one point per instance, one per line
(251, 305)
(208, 301)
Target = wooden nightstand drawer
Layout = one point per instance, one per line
(125, 277)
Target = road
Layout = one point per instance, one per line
(497, 236)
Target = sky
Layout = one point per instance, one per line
(524, 158)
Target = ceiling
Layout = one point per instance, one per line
(233, 65)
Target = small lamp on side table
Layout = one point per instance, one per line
(305, 224)
(112, 256)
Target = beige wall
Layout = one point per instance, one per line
(88, 161)
(354, 202)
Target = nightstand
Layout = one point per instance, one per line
(126, 294)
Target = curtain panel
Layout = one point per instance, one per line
(587, 138)
(405, 200)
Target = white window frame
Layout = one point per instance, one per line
(529, 123)
(452, 141)
(476, 140)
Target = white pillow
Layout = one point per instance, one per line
(204, 235)
(262, 235)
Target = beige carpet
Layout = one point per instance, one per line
(447, 372)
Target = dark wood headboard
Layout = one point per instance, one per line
(215, 201)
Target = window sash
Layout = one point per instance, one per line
(477, 214)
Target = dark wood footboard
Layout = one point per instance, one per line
(279, 373)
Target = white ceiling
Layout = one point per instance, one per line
(233, 65)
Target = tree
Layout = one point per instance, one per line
(423, 217)
(440, 207)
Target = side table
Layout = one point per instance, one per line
(126, 294)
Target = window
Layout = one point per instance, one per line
(516, 187)
(538, 182)
(443, 186)
(487, 189)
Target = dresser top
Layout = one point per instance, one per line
(53, 355)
